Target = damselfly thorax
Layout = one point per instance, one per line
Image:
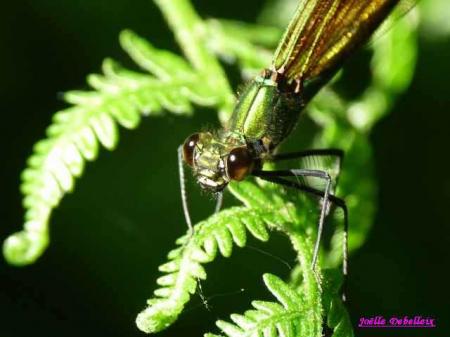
(266, 113)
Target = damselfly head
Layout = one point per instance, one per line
(217, 159)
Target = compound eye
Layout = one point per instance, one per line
(239, 163)
(188, 148)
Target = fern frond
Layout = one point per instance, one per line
(287, 318)
(120, 97)
(190, 33)
(249, 45)
(219, 233)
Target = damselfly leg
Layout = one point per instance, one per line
(297, 173)
(309, 153)
(219, 202)
(184, 200)
(281, 177)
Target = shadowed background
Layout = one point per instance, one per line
(108, 238)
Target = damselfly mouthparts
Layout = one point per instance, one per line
(321, 35)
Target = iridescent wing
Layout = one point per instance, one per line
(402, 9)
(328, 160)
(329, 164)
(323, 33)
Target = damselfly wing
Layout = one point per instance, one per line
(323, 33)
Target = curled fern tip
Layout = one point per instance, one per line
(153, 319)
(23, 248)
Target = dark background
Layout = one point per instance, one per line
(108, 238)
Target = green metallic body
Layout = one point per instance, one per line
(264, 112)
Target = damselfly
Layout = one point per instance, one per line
(321, 35)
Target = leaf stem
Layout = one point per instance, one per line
(311, 278)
